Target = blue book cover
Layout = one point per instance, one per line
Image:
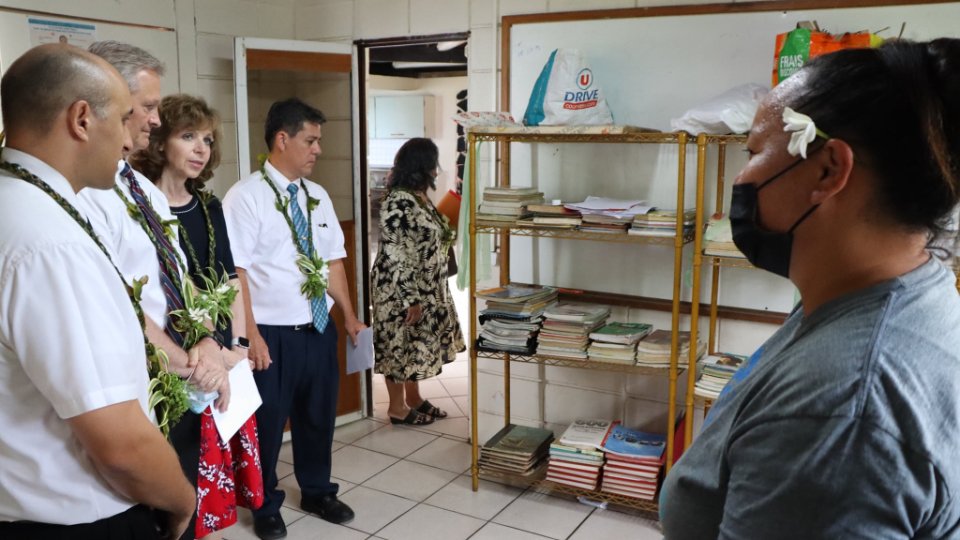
(635, 444)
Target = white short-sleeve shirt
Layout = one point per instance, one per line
(70, 343)
(262, 244)
(131, 248)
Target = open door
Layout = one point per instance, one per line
(325, 76)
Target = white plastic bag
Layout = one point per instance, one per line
(730, 112)
(566, 94)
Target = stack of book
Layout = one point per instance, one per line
(505, 205)
(654, 350)
(520, 450)
(605, 215)
(715, 372)
(718, 238)
(576, 459)
(550, 216)
(567, 327)
(662, 223)
(606, 224)
(617, 342)
(512, 317)
(634, 462)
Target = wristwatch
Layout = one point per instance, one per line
(241, 342)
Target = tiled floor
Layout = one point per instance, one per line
(414, 484)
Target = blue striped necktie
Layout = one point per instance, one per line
(165, 255)
(318, 306)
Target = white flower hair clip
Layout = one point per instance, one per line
(804, 131)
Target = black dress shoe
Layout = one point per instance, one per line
(328, 508)
(270, 527)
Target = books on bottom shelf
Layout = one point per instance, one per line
(520, 450)
(715, 372)
(576, 459)
(654, 350)
(634, 461)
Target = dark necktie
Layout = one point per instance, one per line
(165, 255)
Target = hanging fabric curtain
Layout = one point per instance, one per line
(484, 246)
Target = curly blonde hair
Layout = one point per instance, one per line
(178, 113)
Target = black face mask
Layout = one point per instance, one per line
(764, 249)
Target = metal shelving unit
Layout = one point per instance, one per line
(506, 231)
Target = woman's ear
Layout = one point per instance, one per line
(835, 162)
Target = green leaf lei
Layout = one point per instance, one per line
(315, 269)
(167, 392)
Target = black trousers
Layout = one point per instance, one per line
(185, 439)
(136, 523)
(302, 385)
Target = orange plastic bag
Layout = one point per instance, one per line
(796, 47)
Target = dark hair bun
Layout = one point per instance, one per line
(898, 106)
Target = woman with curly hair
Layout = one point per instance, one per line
(181, 157)
(415, 325)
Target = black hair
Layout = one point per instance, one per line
(289, 116)
(415, 160)
(898, 107)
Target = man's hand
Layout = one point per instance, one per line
(354, 326)
(414, 314)
(173, 525)
(210, 370)
(259, 354)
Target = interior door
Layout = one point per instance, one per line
(325, 76)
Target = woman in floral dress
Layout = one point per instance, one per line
(182, 155)
(415, 325)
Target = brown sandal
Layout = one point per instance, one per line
(414, 418)
(427, 408)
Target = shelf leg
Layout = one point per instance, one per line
(714, 296)
(695, 297)
(506, 389)
(474, 443)
(677, 278)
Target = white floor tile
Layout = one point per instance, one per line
(456, 427)
(336, 446)
(458, 496)
(454, 370)
(357, 465)
(243, 530)
(446, 454)
(448, 405)
(286, 452)
(432, 388)
(457, 387)
(543, 515)
(348, 433)
(314, 528)
(410, 480)
(284, 470)
(374, 509)
(464, 403)
(429, 523)
(492, 531)
(394, 441)
(607, 524)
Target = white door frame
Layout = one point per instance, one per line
(241, 44)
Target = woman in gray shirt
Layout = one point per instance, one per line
(846, 423)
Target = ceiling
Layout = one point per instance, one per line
(444, 59)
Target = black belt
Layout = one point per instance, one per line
(299, 327)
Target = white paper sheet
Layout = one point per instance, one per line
(610, 207)
(360, 358)
(244, 401)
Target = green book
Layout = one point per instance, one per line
(623, 333)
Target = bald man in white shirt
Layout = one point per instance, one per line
(79, 457)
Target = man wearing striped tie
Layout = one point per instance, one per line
(275, 218)
(129, 222)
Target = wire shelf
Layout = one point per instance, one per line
(539, 481)
(558, 361)
(573, 234)
(728, 262)
(644, 137)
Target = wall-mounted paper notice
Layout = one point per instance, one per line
(78, 34)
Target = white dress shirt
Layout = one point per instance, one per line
(70, 343)
(262, 244)
(131, 248)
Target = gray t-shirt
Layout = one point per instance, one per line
(845, 424)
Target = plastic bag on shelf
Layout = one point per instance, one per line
(730, 112)
(566, 94)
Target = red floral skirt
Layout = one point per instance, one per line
(230, 475)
